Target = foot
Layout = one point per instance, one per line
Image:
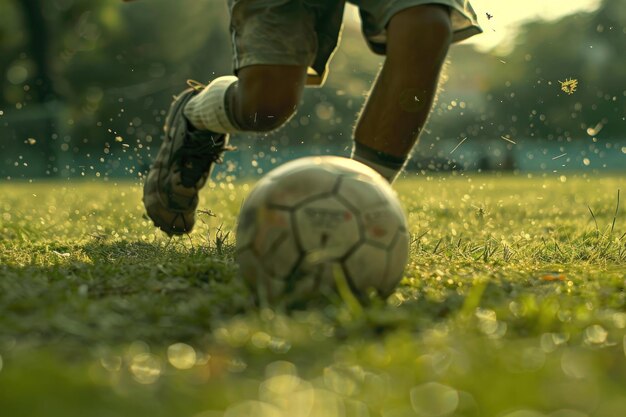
(181, 169)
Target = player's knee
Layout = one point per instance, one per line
(267, 96)
(421, 30)
(268, 112)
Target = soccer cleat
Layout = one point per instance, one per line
(181, 168)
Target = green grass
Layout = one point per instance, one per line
(514, 299)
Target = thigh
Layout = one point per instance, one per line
(263, 82)
(376, 16)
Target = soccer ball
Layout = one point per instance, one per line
(317, 221)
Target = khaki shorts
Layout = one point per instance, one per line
(306, 32)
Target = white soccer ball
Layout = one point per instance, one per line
(317, 221)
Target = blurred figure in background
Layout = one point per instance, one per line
(279, 47)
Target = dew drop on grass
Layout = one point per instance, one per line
(325, 403)
(111, 363)
(280, 368)
(547, 343)
(278, 345)
(487, 321)
(433, 399)
(181, 356)
(574, 365)
(137, 347)
(261, 340)
(292, 395)
(343, 379)
(237, 365)
(280, 385)
(595, 334)
(146, 368)
(281, 379)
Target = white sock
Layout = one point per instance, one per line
(208, 110)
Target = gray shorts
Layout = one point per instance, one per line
(306, 32)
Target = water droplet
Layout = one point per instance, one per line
(344, 380)
(574, 365)
(17, 74)
(280, 368)
(237, 365)
(281, 384)
(137, 347)
(111, 363)
(595, 334)
(488, 323)
(181, 356)
(286, 390)
(146, 368)
(261, 340)
(433, 399)
(619, 319)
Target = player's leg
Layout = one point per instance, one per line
(274, 43)
(415, 36)
(261, 98)
(266, 96)
(399, 103)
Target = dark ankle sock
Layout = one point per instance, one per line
(389, 166)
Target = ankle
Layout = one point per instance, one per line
(388, 166)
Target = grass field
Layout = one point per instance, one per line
(513, 304)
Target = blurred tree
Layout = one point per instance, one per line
(587, 47)
(93, 71)
(39, 45)
(114, 67)
(42, 91)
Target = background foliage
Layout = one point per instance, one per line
(85, 83)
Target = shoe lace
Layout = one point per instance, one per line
(196, 85)
(199, 151)
(196, 157)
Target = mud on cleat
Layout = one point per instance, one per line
(181, 168)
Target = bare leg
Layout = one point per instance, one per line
(261, 98)
(398, 106)
(266, 96)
